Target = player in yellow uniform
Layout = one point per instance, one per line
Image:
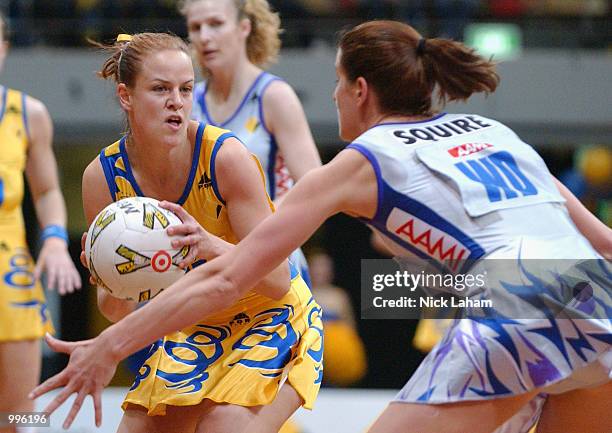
(254, 363)
(25, 138)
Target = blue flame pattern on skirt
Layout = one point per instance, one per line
(265, 333)
(488, 357)
(316, 315)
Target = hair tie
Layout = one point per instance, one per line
(420, 48)
(122, 37)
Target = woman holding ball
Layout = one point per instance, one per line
(255, 362)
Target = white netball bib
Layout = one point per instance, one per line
(492, 174)
(458, 187)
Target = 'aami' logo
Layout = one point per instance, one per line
(467, 149)
(435, 243)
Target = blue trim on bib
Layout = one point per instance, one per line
(271, 181)
(109, 175)
(273, 78)
(24, 115)
(379, 180)
(128, 168)
(194, 164)
(246, 97)
(394, 199)
(293, 271)
(213, 155)
(198, 97)
(4, 94)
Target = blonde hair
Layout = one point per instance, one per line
(126, 56)
(263, 43)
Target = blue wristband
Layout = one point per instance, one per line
(54, 231)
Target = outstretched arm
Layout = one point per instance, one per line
(347, 184)
(222, 281)
(596, 232)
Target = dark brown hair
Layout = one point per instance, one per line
(405, 70)
(125, 60)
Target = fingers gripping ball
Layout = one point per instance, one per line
(129, 252)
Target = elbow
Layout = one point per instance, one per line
(603, 245)
(277, 284)
(607, 252)
(223, 293)
(283, 284)
(279, 292)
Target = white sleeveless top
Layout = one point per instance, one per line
(460, 187)
(248, 124)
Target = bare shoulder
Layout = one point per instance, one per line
(233, 164)
(35, 108)
(96, 194)
(350, 159)
(40, 126)
(277, 92)
(282, 108)
(231, 152)
(353, 178)
(93, 171)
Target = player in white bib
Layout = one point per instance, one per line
(440, 189)
(233, 40)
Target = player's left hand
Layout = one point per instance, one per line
(54, 260)
(90, 369)
(202, 245)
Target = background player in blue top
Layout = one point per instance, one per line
(233, 41)
(401, 174)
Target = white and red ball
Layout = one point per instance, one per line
(129, 252)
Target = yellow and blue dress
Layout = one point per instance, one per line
(23, 311)
(240, 355)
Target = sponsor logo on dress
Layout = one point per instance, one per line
(240, 319)
(468, 149)
(428, 239)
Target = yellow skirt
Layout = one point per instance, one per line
(239, 356)
(23, 310)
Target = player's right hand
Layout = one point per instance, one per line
(89, 370)
(202, 244)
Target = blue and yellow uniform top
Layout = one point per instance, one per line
(201, 196)
(242, 354)
(23, 311)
